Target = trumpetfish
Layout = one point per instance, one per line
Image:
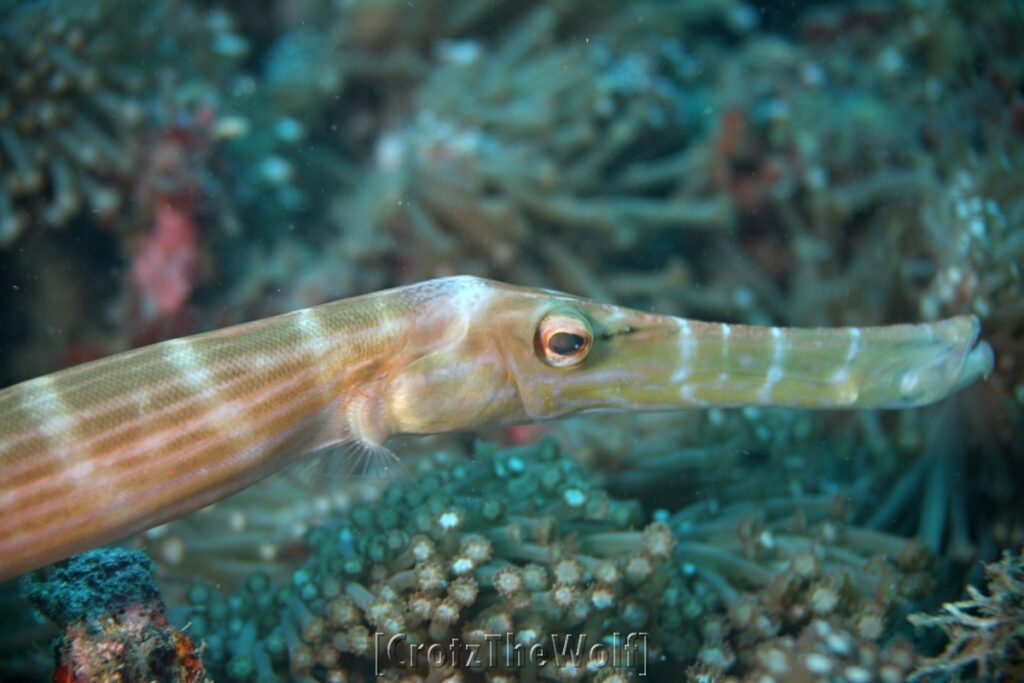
(96, 452)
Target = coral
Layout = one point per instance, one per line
(260, 529)
(519, 541)
(114, 628)
(885, 193)
(973, 247)
(78, 103)
(92, 584)
(806, 596)
(823, 652)
(965, 253)
(96, 131)
(985, 632)
(506, 145)
(348, 88)
(165, 267)
(55, 160)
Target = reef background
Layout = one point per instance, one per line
(169, 167)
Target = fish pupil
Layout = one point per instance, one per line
(565, 343)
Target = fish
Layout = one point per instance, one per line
(94, 453)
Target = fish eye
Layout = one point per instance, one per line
(563, 340)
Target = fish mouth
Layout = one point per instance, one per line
(977, 364)
(976, 358)
(956, 360)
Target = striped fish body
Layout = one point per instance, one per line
(97, 452)
(103, 450)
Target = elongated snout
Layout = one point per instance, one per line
(641, 361)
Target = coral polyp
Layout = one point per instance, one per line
(543, 568)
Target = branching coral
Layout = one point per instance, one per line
(985, 632)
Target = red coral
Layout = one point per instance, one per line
(164, 269)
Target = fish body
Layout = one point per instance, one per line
(97, 452)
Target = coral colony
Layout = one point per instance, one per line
(176, 166)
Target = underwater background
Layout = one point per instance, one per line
(170, 167)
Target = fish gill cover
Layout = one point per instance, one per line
(174, 166)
